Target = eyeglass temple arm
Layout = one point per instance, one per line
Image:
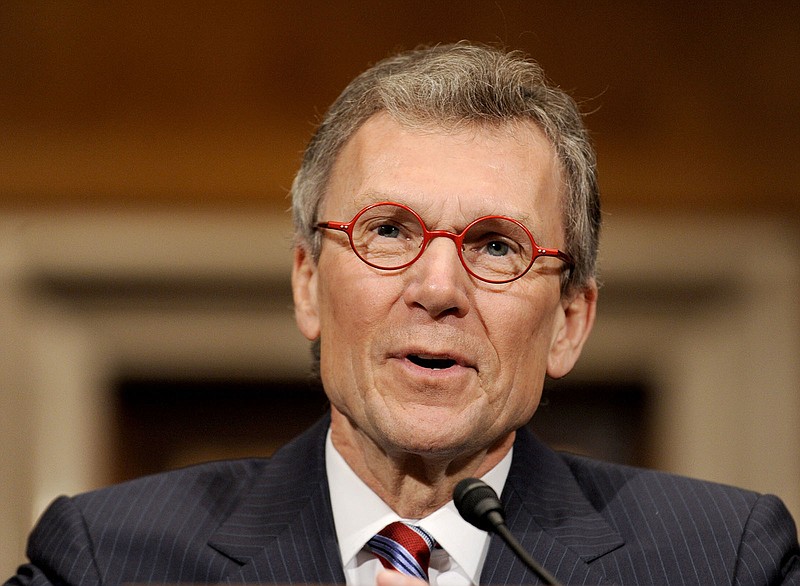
(343, 226)
(557, 254)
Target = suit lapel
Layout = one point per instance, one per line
(282, 530)
(549, 514)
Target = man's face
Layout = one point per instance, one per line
(429, 360)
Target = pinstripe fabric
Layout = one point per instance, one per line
(269, 521)
(590, 522)
(254, 521)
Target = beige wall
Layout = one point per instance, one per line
(712, 328)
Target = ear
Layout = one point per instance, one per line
(574, 323)
(304, 291)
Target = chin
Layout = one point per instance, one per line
(431, 436)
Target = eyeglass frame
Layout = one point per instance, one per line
(458, 240)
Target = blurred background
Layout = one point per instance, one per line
(146, 150)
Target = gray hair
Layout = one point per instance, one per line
(458, 86)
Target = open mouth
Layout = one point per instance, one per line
(432, 363)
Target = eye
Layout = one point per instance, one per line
(388, 231)
(497, 248)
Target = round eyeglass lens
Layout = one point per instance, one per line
(497, 249)
(387, 236)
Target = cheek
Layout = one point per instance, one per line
(526, 317)
(351, 306)
(522, 332)
(354, 306)
(522, 344)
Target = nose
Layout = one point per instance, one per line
(438, 282)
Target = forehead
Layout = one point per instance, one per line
(509, 169)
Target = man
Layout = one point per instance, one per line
(447, 222)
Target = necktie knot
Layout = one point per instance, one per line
(405, 548)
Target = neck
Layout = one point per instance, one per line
(413, 485)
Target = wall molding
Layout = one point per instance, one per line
(704, 309)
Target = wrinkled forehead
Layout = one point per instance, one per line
(429, 165)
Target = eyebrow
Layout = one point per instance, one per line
(363, 200)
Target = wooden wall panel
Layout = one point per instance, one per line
(151, 104)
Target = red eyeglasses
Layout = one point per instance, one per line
(391, 236)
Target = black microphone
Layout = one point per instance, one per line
(478, 504)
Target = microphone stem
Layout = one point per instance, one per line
(512, 542)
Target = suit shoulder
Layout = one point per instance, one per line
(206, 491)
(173, 527)
(604, 482)
(726, 531)
(669, 506)
(86, 539)
(210, 488)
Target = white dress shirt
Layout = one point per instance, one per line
(358, 514)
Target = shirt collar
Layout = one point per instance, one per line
(359, 513)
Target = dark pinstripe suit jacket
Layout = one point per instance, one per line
(269, 521)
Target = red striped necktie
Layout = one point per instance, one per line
(405, 548)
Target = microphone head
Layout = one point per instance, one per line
(478, 504)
